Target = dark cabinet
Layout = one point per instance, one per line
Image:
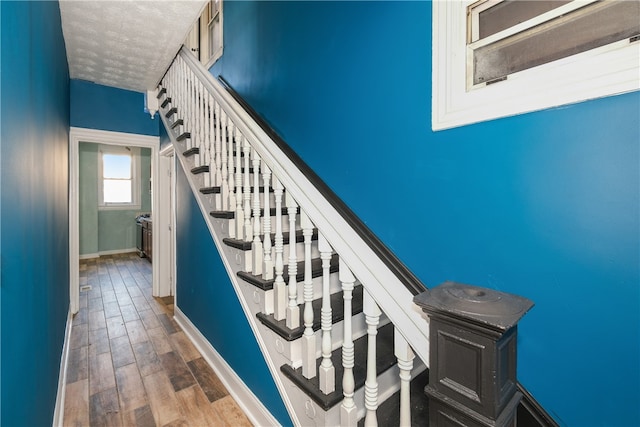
(147, 239)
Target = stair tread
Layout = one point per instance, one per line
(200, 169)
(385, 359)
(244, 245)
(171, 112)
(166, 102)
(177, 123)
(183, 136)
(191, 152)
(337, 315)
(316, 271)
(217, 189)
(232, 214)
(161, 92)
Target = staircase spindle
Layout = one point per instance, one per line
(348, 409)
(202, 141)
(217, 120)
(224, 188)
(196, 135)
(279, 286)
(239, 139)
(231, 176)
(190, 108)
(267, 261)
(293, 311)
(211, 123)
(256, 245)
(308, 338)
(248, 229)
(206, 137)
(326, 373)
(372, 317)
(405, 355)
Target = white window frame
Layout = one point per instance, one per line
(604, 71)
(134, 152)
(217, 52)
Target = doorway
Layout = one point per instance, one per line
(77, 135)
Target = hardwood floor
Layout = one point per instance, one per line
(130, 364)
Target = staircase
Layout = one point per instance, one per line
(330, 306)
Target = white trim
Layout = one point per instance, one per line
(164, 228)
(109, 252)
(58, 412)
(136, 177)
(605, 71)
(76, 135)
(257, 413)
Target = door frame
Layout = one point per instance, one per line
(166, 222)
(77, 135)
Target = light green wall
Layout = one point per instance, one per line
(107, 230)
(88, 203)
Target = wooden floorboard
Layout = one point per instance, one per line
(130, 364)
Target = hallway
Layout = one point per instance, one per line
(130, 364)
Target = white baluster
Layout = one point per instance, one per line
(190, 105)
(230, 165)
(196, 135)
(326, 373)
(256, 245)
(213, 168)
(372, 317)
(238, 194)
(308, 338)
(204, 155)
(293, 311)
(248, 229)
(348, 409)
(218, 151)
(279, 286)
(224, 188)
(267, 261)
(404, 354)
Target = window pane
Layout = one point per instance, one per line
(116, 166)
(509, 13)
(579, 31)
(117, 191)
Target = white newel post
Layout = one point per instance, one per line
(279, 286)
(348, 409)
(267, 262)
(327, 372)
(372, 317)
(404, 354)
(308, 338)
(293, 311)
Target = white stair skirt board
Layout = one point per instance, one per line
(244, 397)
(58, 412)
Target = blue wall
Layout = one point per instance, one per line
(94, 106)
(208, 299)
(545, 205)
(35, 232)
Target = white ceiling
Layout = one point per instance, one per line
(125, 44)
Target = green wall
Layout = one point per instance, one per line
(107, 230)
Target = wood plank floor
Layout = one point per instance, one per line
(130, 364)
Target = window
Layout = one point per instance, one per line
(118, 178)
(495, 58)
(206, 38)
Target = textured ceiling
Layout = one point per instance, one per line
(125, 44)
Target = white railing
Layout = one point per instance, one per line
(247, 175)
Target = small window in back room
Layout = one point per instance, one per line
(118, 178)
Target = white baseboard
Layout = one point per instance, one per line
(58, 413)
(250, 404)
(111, 252)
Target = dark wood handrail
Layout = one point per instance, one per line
(402, 272)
